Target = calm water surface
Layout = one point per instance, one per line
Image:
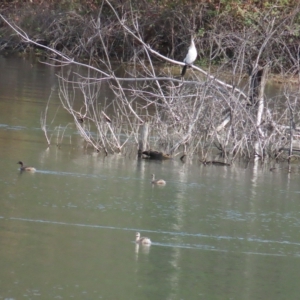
(67, 231)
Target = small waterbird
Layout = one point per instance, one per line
(26, 168)
(142, 240)
(157, 181)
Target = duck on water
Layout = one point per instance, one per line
(142, 240)
(25, 168)
(157, 181)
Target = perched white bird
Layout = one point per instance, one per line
(142, 240)
(190, 57)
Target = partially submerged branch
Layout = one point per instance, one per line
(150, 108)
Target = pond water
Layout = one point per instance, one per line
(67, 231)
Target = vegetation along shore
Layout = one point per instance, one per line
(203, 113)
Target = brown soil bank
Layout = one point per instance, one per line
(225, 30)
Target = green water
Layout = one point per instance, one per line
(67, 231)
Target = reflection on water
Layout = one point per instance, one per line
(67, 231)
(145, 249)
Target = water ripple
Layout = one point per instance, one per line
(215, 237)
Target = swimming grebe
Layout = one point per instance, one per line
(142, 240)
(25, 168)
(157, 181)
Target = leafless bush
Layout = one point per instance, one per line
(200, 115)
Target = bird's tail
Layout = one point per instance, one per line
(183, 70)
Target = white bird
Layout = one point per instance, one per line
(142, 240)
(190, 57)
